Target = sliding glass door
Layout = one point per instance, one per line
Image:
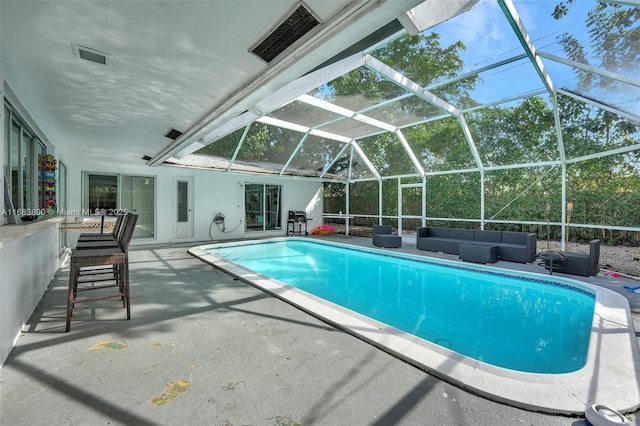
(138, 196)
(117, 194)
(262, 207)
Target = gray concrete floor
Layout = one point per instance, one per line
(204, 349)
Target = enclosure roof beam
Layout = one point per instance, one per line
(603, 72)
(506, 100)
(310, 82)
(521, 33)
(471, 143)
(303, 129)
(415, 175)
(617, 151)
(410, 153)
(366, 160)
(335, 159)
(225, 129)
(237, 150)
(328, 106)
(276, 100)
(386, 102)
(349, 174)
(517, 25)
(476, 71)
(426, 120)
(558, 121)
(383, 178)
(393, 75)
(294, 153)
(455, 79)
(396, 77)
(624, 114)
(523, 165)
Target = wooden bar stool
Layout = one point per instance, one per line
(109, 236)
(82, 272)
(94, 241)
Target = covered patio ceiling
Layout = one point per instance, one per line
(104, 81)
(506, 53)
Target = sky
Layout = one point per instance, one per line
(489, 38)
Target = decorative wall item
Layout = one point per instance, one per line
(47, 177)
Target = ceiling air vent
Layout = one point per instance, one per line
(91, 55)
(296, 25)
(173, 134)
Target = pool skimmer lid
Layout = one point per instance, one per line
(599, 415)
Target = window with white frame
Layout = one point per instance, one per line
(23, 154)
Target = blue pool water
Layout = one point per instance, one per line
(524, 324)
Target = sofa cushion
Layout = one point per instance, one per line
(487, 236)
(511, 237)
(429, 244)
(422, 232)
(381, 229)
(450, 246)
(438, 232)
(461, 234)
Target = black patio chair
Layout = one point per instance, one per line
(583, 264)
(383, 237)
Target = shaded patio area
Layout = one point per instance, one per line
(203, 348)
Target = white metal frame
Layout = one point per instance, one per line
(299, 89)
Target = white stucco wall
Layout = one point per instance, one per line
(28, 261)
(213, 192)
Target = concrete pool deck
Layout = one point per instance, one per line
(204, 348)
(613, 360)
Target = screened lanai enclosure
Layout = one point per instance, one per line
(511, 115)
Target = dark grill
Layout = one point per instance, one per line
(298, 217)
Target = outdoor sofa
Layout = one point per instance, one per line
(383, 237)
(511, 246)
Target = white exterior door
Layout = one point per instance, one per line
(183, 207)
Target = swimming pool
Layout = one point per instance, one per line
(482, 347)
(522, 324)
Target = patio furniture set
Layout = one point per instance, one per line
(484, 246)
(476, 245)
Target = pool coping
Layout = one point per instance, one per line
(611, 375)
